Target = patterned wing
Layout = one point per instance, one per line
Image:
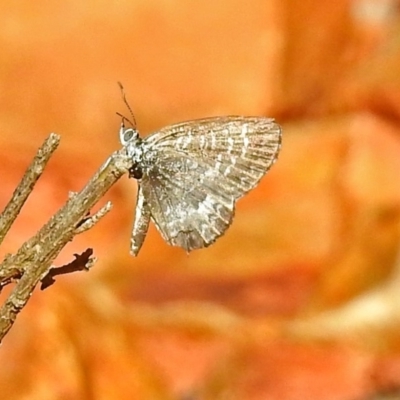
(187, 204)
(240, 149)
(194, 171)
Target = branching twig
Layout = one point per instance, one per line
(32, 262)
(82, 262)
(89, 222)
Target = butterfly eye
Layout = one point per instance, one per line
(128, 135)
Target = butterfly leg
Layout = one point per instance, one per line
(141, 224)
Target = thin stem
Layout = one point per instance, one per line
(25, 187)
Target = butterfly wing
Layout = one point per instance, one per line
(188, 206)
(196, 170)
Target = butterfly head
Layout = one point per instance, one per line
(130, 139)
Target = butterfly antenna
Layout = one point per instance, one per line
(123, 119)
(128, 106)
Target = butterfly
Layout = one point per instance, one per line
(191, 174)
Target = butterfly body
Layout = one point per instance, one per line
(191, 174)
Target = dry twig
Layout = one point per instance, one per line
(82, 262)
(33, 261)
(27, 184)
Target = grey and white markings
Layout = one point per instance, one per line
(191, 174)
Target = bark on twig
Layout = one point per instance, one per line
(25, 187)
(33, 261)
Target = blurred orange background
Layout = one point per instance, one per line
(299, 300)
